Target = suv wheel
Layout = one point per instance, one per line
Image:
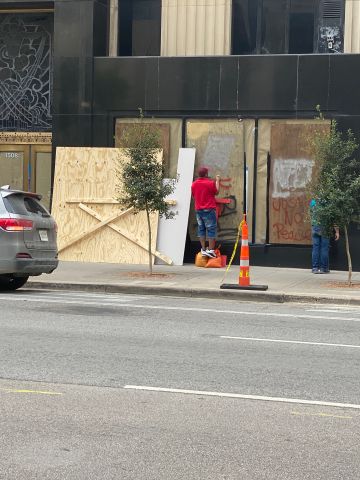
(8, 282)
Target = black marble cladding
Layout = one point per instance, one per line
(287, 86)
(79, 36)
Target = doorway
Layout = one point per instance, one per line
(27, 167)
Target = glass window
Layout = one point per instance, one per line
(301, 26)
(2, 206)
(33, 206)
(15, 204)
(20, 205)
(244, 26)
(139, 27)
(287, 26)
(273, 28)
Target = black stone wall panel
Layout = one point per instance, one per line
(268, 83)
(229, 72)
(313, 82)
(189, 83)
(207, 84)
(103, 128)
(73, 32)
(344, 91)
(72, 130)
(119, 84)
(72, 90)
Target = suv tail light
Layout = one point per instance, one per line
(23, 255)
(15, 224)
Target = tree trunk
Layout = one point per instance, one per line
(149, 237)
(348, 255)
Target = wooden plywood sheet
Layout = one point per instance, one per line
(292, 169)
(162, 128)
(220, 147)
(84, 192)
(172, 233)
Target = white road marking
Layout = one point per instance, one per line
(334, 310)
(180, 309)
(321, 414)
(335, 307)
(243, 397)
(95, 296)
(289, 341)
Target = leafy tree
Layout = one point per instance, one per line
(141, 185)
(336, 187)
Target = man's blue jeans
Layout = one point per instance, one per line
(207, 223)
(320, 250)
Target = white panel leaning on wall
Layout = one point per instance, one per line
(172, 233)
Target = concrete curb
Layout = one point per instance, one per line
(241, 295)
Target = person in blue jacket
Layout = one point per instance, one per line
(320, 244)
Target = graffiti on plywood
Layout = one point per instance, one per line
(291, 176)
(220, 147)
(292, 168)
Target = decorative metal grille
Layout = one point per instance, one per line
(25, 72)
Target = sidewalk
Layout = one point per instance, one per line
(285, 284)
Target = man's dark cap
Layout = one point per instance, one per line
(203, 171)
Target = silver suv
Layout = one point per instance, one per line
(27, 238)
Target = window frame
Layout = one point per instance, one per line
(129, 6)
(259, 33)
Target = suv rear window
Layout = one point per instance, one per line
(33, 206)
(15, 204)
(20, 205)
(2, 206)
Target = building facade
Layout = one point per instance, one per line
(237, 79)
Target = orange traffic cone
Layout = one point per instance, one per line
(244, 278)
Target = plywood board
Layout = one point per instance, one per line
(172, 232)
(220, 147)
(292, 168)
(162, 128)
(176, 130)
(84, 176)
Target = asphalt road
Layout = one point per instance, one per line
(129, 387)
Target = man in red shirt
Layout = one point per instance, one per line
(203, 190)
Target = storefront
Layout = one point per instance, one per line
(230, 107)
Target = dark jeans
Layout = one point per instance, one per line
(320, 250)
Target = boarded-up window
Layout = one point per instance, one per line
(170, 136)
(292, 168)
(220, 147)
